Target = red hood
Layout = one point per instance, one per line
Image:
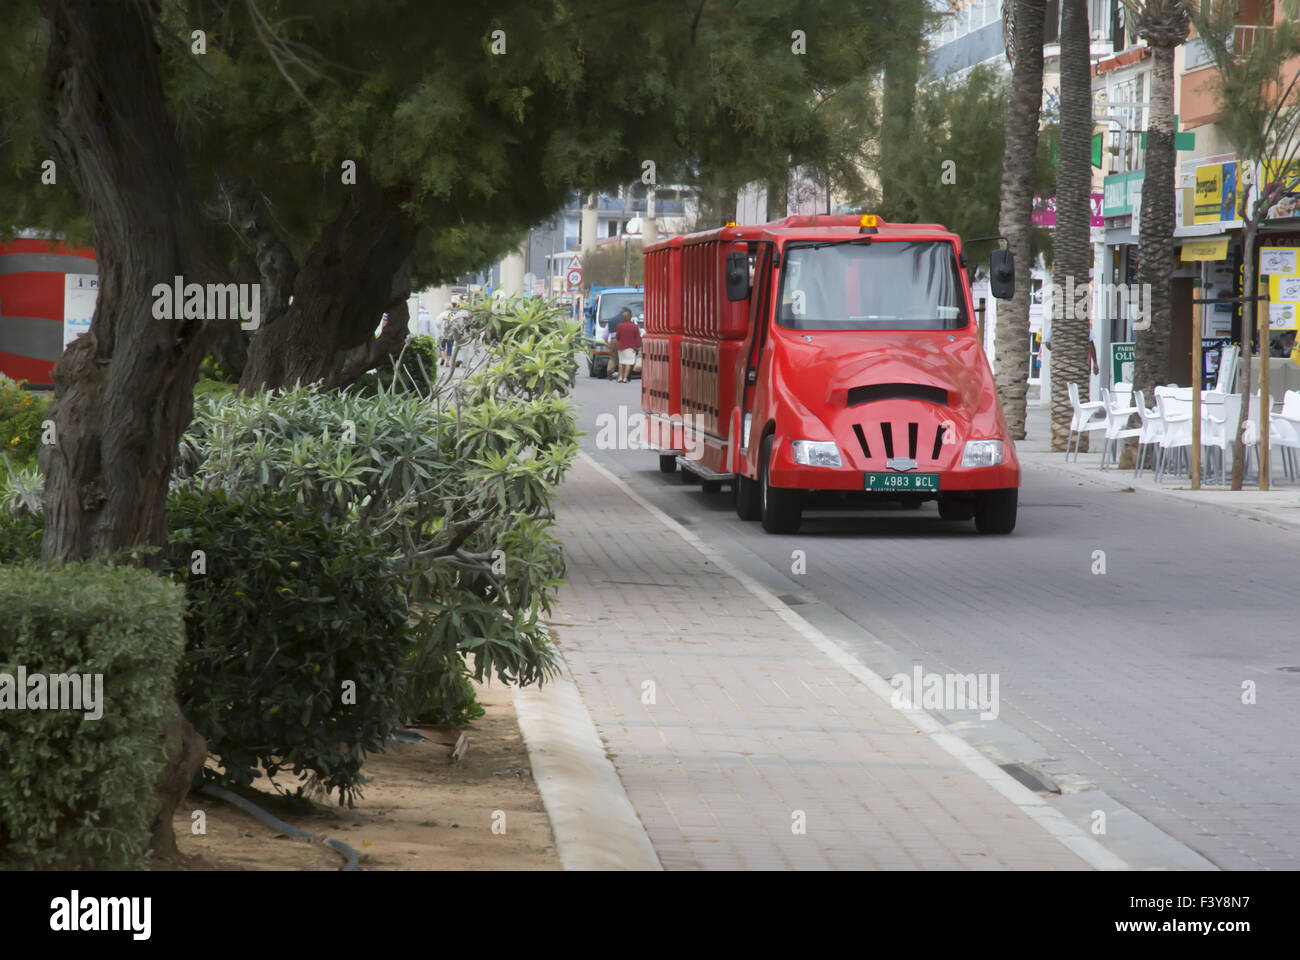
(951, 361)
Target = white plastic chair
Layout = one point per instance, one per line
(1177, 433)
(1279, 432)
(1118, 413)
(1088, 418)
(1219, 417)
(1149, 433)
(1289, 427)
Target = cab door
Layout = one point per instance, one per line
(751, 358)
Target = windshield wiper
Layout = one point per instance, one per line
(834, 243)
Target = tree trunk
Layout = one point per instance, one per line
(123, 391)
(1248, 284)
(1073, 267)
(1019, 166)
(339, 294)
(389, 342)
(1156, 263)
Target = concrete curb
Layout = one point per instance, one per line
(595, 825)
(1120, 479)
(1035, 807)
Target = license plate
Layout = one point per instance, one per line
(901, 481)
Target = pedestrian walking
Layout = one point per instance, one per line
(628, 341)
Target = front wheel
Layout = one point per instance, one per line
(995, 511)
(780, 508)
(950, 509)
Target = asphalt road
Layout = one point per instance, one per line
(1129, 682)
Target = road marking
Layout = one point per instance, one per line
(1032, 805)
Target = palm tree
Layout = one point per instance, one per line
(1022, 31)
(1073, 213)
(1163, 24)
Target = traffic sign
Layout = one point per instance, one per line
(575, 278)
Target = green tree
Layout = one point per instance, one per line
(1259, 113)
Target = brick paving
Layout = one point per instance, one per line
(751, 724)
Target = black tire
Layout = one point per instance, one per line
(780, 509)
(667, 463)
(956, 509)
(711, 486)
(591, 366)
(745, 494)
(601, 367)
(995, 511)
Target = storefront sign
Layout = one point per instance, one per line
(1119, 191)
(79, 294)
(1121, 362)
(1216, 193)
(1287, 184)
(1277, 260)
(1211, 248)
(1044, 212)
(1282, 316)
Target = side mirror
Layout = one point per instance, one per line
(737, 276)
(1002, 274)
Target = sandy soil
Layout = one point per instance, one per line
(421, 811)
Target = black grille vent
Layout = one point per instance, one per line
(938, 441)
(862, 441)
(896, 391)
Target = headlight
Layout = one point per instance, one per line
(982, 453)
(815, 453)
(744, 442)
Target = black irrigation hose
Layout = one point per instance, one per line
(221, 793)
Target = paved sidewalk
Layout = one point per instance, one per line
(756, 722)
(1280, 505)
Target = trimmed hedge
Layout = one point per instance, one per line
(292, 617)
(79, 792)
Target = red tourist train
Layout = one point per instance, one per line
(826, 353)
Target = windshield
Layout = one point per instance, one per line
(611, 304)
(881, 285)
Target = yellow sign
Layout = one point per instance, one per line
(1215, 248)
(1209, 193)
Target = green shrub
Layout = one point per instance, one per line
(457, 484)
(413, 370)
(21, 415)
(20, 536)
(291, 609)
(78, 792)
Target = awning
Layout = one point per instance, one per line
(1212, 248)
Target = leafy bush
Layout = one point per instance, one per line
(21, 415)
(456, 484)
(297, 629)
(20, 536)
(414, 369)
(78, 792)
